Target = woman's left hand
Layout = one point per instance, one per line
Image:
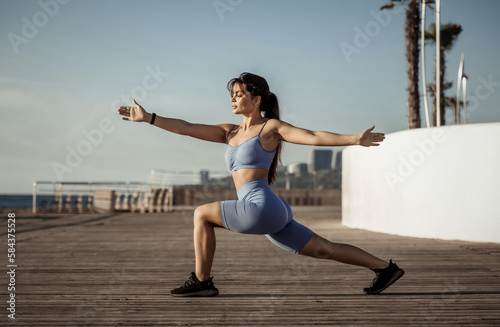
(367, 138)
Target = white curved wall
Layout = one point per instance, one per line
(441, 182)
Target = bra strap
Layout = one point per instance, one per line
(263, 127)
(227, 137)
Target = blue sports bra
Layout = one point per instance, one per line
(249, 154)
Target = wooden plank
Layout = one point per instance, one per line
(118, 269)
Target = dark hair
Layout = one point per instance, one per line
(257, 86)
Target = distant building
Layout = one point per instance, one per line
(298, 169)
(320, 160)
(337, 162)
(204, 176)
(281, 169)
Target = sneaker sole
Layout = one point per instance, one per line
(394, 278)
(204, 293)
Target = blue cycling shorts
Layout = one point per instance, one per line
(259, 210)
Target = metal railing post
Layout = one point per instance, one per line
(34, 197)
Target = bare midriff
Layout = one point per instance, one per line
(241, 176)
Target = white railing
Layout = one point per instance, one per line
(83, 197)
(173, 177)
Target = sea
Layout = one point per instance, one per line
(25, 201)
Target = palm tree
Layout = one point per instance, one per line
(449, 34)
(412, 31)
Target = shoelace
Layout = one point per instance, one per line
(190, 281)
(379, 272)
(377, 275)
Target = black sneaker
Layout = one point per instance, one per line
(384, 278)
(193, 287)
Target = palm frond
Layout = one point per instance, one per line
(392, 3)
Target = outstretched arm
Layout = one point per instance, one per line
(297, 135)
(213, 133)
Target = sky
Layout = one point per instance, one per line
(335, 65)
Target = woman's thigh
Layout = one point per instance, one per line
(260, 213)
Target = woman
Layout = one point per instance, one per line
(252, 155)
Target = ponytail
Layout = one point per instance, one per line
(257, 86)
(272, 111)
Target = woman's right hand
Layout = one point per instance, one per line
(135, 113)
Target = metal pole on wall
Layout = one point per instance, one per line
(459, 84)
(438, 62)
(464, 96)
(424, 80)
(34, 197)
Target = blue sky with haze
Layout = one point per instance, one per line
(67, 65)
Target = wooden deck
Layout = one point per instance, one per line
(117, 270)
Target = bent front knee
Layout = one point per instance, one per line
(198, 216)
(207, 213)
(201, 215)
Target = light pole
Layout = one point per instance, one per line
(422, 48)
(438, 62)
(459, 82)
(464, 89)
